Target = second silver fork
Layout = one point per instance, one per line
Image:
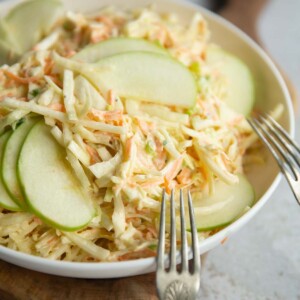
(283, 148)
(171, 284)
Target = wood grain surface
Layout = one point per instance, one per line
(17, 283)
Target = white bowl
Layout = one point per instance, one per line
(271, 90)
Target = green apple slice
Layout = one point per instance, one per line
(10, 158)
(141, 76)
(224, 206)
(5, 199)
(50, 188)
(29, 21)
(145, 76)
(94, 53)
(241, 88)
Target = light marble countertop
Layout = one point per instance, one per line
(262, 261)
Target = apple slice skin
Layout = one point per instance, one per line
(5, 200)
(50, 189)
(230, 201)
(11, 152)
(145, 76)
(241, 87)
(94, 53)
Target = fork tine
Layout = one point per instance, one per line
(281, 138)
(184, 254)
(173, 234)
(283, 132)
(195, 244)
(161, 239)
(261, 132)
(280, 146)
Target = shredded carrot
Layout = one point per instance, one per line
(152, 182)
(57, 107)
(159, 160)
(174, 169)
(56, 80)
(38, 220)
(48, 66)
(97, 35)
(128, 146)
(103, 19)
(93, 154)
(169, 185)
(153, 231)
(164, 36)
(2, 76)
(138, 254)
(20, 80)
(70, 53)
(98, 115)
(52, 241)
(184, 176)
(146, 127)
(161, 156)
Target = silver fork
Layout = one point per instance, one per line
(171, 284)
(283, 148)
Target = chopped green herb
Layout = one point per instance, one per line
(158, 43)
(165, 142)
(150, 148)
(35, 92)
(152, 247)
(16, 124)
(191, 110)
(195, 68)
(68, 26)
(109, 107)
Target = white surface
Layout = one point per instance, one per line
(263, 260)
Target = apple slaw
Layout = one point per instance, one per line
(124, 152)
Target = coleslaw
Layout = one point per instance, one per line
(123, 152)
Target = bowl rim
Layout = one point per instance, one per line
(65, 268)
